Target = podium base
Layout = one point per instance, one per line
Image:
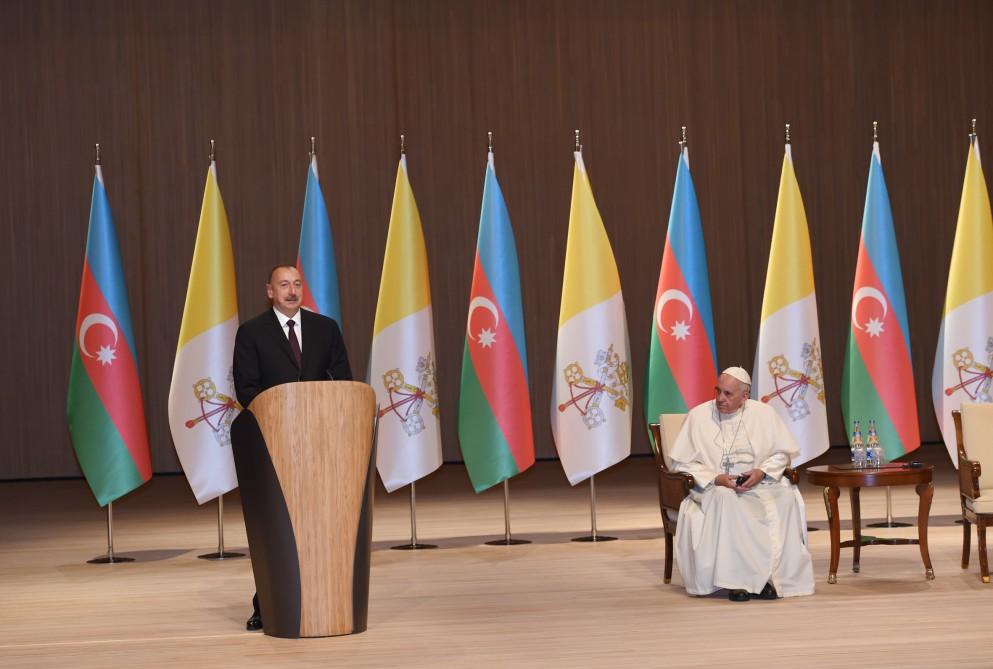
(110, 559)
(226, 555)
(594, 539)
(507, 542)
(412, 547)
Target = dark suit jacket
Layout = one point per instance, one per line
(262, 356)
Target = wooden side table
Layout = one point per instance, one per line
(833, 477)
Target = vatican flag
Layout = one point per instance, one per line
(964, 358)
(591, 391)
(402, 361)
(202, 401)
(788, 372)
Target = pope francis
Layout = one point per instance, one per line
(742, 527)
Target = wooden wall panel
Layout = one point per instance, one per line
(153, 82)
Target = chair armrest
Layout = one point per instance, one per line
(792, 475)
(969, 472)
(673, 488)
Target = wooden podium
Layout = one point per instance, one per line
(306, 466)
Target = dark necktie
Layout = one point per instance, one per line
(294, 343)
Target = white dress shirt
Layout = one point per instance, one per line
(297, 327)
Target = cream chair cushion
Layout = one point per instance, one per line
(977, 439)
(669, 426)
(982, 505)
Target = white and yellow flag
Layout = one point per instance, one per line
(402, 360)
(202, 400)
(964, 357)
(788, 373)
(591, 391)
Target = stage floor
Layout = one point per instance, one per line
(551, 603)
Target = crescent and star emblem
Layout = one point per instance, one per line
(680, 329)
(486, 337)
(106, 354)
(874, 326)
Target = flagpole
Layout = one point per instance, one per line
(110, 558)
(221, 554)
(413, 545)
(507, 539)
(593, 536)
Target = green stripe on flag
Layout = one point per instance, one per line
(662, 395)
(104, 458)
(860, 401)
(487, 453)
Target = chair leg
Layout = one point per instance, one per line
(984, 568)
(668, 558)
(966, 536)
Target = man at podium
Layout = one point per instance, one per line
(285, 344)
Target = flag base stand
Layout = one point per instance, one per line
(221, 554)
(507, 539)
(889, 522)
(593, 537)
(413, 545)
(110, 558)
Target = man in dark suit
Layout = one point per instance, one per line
(282, 345)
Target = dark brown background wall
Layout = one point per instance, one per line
(154, 81)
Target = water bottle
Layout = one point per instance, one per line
(858, 455)
(857, 445)
(869, 456)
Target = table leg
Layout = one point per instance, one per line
(831, 504)
(925, 491)
(856, 528)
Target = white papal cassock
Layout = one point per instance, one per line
(726, 539)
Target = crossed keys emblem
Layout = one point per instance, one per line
(217, 410)
(585, 393)
(406, 400)
(974, 378)
(791, 385)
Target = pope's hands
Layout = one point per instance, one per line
(729, 481)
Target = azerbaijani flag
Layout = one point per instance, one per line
(315, 258)
(682, 355)
(402, 360)
(104, 405)
(965, 342)
(877, 382)
(202, 401)
(591, 390)
(788, 372)
(494, 403)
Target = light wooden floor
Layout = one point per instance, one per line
(553, 603)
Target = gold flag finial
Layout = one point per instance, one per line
(213, 153)
(403, 145)
(972, 135)
(875, 131)
(682, 138)
(489, 141)
(578, 147)
(787, 133)
(313, 147)
(98, 152)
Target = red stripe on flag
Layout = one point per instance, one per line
(112, 370)
(499, 369)
(306, 297)
(885, 353)
(685, 341)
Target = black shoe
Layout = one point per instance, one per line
(254, 623)
(768, 592)
(738, 595)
